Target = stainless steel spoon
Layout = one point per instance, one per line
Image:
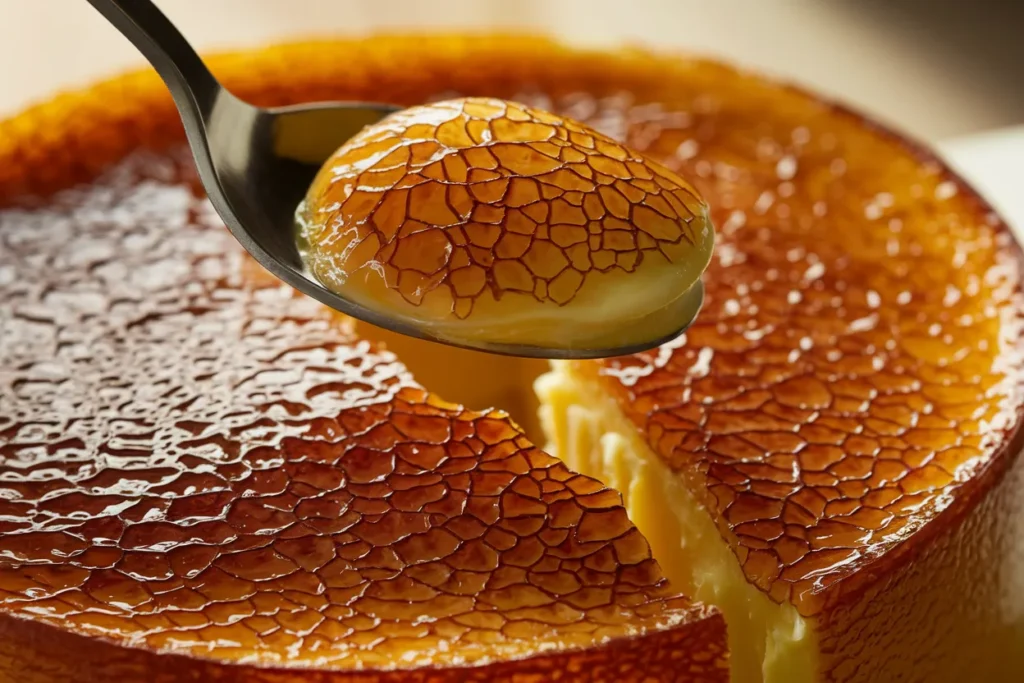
(257, 164)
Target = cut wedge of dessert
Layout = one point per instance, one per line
(205, 477)
(830, 454)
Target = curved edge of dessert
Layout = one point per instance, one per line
(1012, 449)
(21, 138)
(73, 657)
(1002, 460)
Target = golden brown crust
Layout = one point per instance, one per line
(945, 607)
(34, 652)
(195, 462)
(788, 420)
(853, 370)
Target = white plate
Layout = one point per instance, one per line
(994, 164)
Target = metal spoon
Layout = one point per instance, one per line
(256, 165)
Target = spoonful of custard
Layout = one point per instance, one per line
(492, 225)
(475, 222)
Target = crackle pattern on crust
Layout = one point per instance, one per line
(194, 460)
(857, 363)
(480, 197)
(803, 191)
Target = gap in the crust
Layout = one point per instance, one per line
(474, 379)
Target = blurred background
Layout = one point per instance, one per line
(934, 68)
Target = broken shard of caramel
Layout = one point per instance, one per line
(485, 220)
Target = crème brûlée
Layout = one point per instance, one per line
(206, 477)
(482, 220)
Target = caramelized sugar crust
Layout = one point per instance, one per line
(857, 365)
(194, 460)
(847, 397)
(452, 206)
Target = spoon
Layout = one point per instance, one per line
(257, 164)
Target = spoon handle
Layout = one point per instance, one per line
(192, 86)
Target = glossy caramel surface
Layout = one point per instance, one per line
(857, 364)
(196, 460)
(483, 220)
(847, 405)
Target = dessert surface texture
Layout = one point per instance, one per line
(203, 474)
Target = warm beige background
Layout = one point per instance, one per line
(938, 68)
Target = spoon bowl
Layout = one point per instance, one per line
(257, 164)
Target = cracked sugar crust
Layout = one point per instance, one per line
(816, 463)
(856, 369)
(456, 204)
(195, 460)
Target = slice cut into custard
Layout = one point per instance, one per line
(830, 454)
(193, 461)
